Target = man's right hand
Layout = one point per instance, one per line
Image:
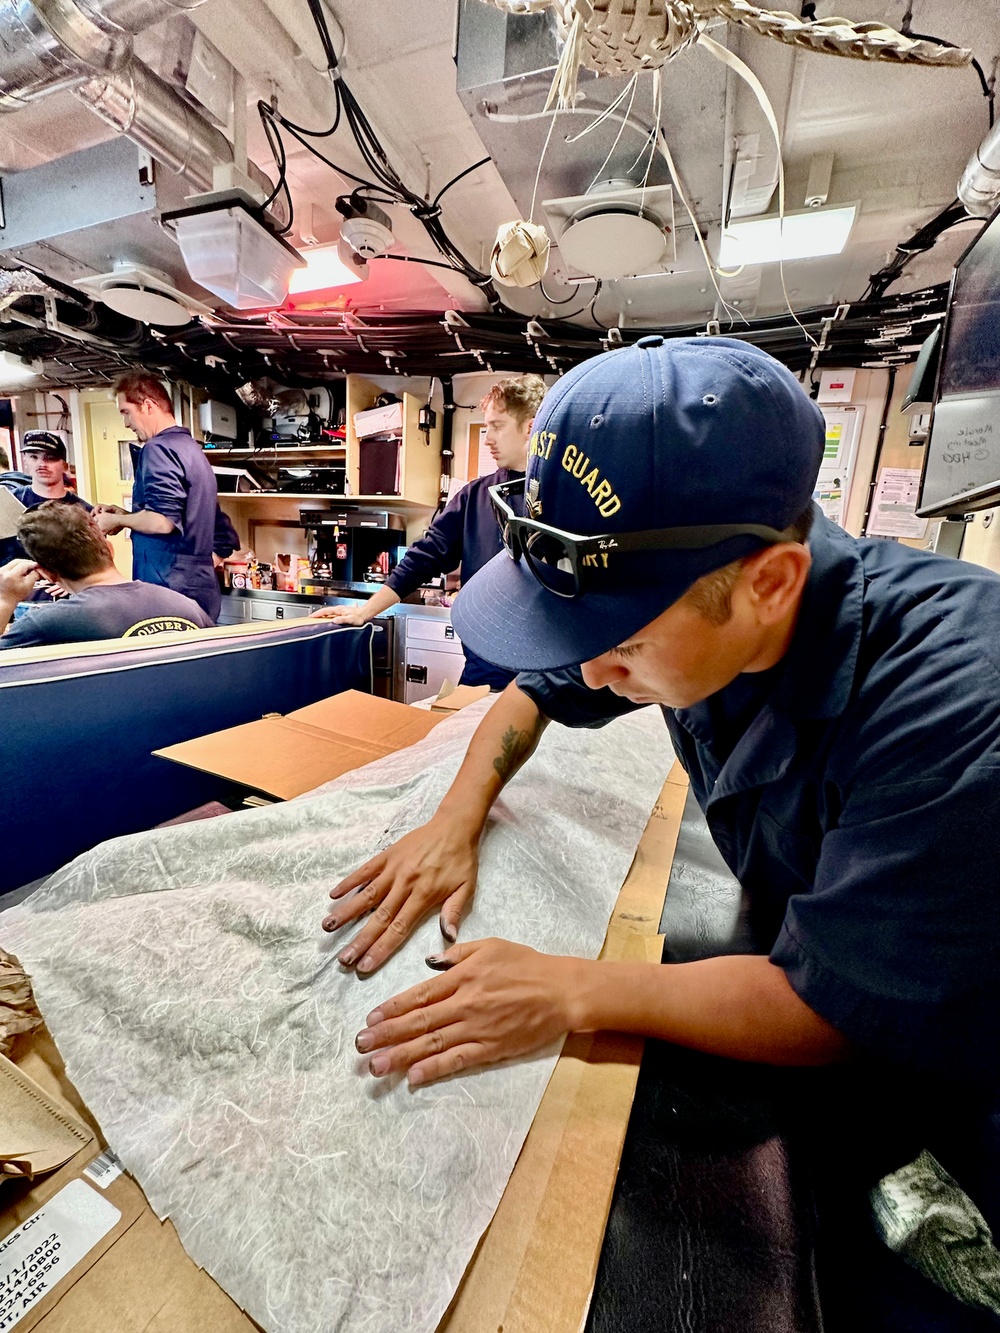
(343, 615)
(435, 865)
(17, 579)
(105, 517)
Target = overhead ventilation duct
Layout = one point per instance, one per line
(979, 188)
(86, 46)
(140, 104)
(48, 45)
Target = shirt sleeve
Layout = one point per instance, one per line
(438, 551)
(165, 483)
(30, 630)
(561, 696)
(897, 943)
(225, 539)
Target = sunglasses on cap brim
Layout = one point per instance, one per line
(567, 563)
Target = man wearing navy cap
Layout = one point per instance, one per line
(43, 453)
(835, 702)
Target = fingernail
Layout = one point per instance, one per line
(374, 1018)
(449, 932)
(346, 956)
(415, 1077)
(438, 962)
(363, 1041)
(367, 963)
(379, 1065)
(330, 923)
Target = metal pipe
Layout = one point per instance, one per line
(48, 45)
(86, 46)
(979, 188)
(139, 103)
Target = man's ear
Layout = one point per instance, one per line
(774, 579)
(527, 427)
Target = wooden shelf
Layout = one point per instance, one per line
(272, 452)
(385, 501)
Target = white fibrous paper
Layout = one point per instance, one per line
(204, 1018)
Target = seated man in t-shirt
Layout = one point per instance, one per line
(65, 546)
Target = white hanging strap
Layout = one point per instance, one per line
(664, 147)
(750, 78)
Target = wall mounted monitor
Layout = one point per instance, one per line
(962, 463)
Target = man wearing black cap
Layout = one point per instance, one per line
(44, 455)
(836, 704)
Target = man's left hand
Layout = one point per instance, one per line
(17, 579)
(496, 1000)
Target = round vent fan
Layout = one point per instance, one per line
(144, 294)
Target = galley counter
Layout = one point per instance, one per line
(414, 649)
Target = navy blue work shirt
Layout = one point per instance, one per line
(173, 478)
(858, 803)
(465, 533)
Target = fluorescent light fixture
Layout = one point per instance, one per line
(323, 268)
(805, 234)
(17, 371)
(230, 250)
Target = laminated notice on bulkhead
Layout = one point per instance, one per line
(45, 1248)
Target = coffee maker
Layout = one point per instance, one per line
(344, 544)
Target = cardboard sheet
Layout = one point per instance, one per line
(11, 510)
(287, 756)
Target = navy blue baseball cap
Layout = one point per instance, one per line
(666, 433)
(43, 442)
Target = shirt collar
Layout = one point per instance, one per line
(821, 661)
(818, 672)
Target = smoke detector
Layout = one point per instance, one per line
(615, 230)
(144, 294)
(366, 231)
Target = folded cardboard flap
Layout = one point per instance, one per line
(36, 1135)
(11, 510)
(287, 756)
(450, 698)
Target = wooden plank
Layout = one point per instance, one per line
(534, 1269)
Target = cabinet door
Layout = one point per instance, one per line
(425, 671)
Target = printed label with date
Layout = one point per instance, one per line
(48, 1246)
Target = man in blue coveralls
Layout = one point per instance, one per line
(466, 531)
(835, 702)
(174, 498)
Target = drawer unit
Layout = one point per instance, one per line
(235, 610)
(437, 634)
(278, 610)
(429, 652)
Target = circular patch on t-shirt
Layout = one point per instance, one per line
(159, 625)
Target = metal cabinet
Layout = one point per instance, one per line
(428, 653)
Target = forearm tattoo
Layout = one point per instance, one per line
(515, 747)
